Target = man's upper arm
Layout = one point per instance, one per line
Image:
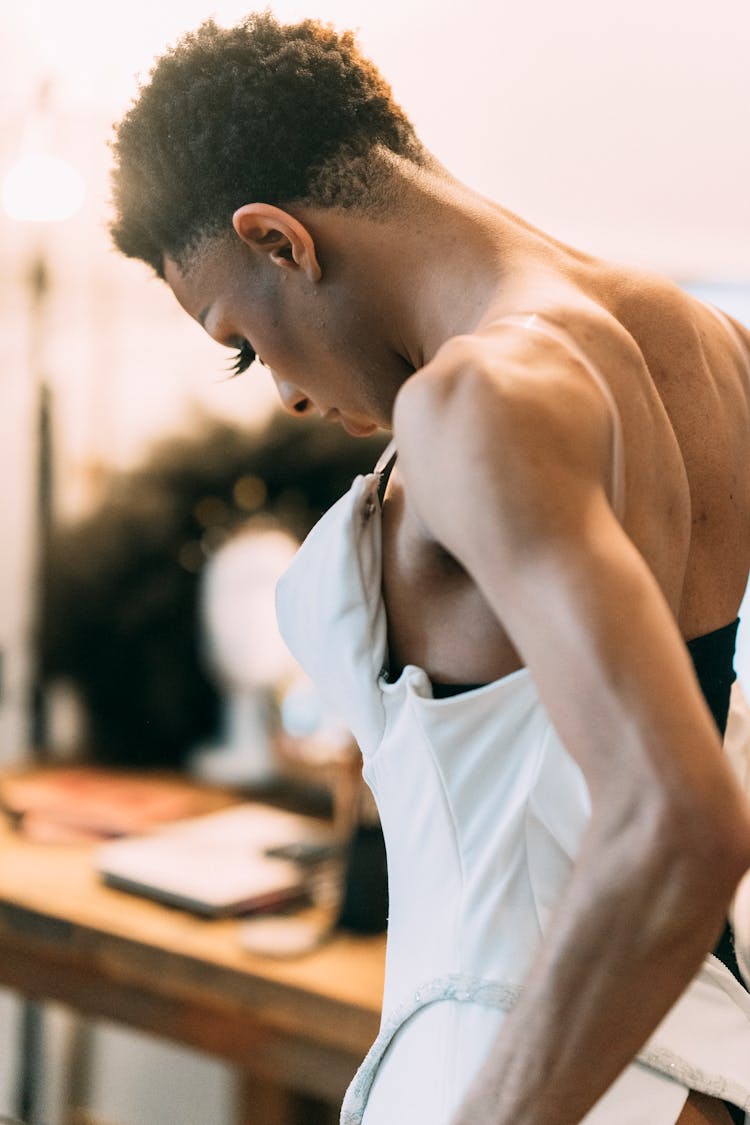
(507, 468)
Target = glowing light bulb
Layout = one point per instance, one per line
(42, 189)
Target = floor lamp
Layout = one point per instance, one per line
(39, 189)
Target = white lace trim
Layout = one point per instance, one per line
(695, 1077)
(499, 994)
(456, 986)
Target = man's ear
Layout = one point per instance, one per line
(283, 238)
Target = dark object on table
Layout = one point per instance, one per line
(364, 908)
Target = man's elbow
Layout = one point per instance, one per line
(706, 846)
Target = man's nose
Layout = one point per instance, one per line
(292, 398)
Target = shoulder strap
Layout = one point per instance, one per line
(535, 323)
(384, 466)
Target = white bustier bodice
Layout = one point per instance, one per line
(483, 811)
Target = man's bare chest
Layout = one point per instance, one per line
(437, 617)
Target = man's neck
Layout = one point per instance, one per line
(443, 262)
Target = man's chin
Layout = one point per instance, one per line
(358, 429)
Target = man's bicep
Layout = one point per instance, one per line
(602, 644)
(485, 445)
(518, 495)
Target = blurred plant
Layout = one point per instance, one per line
(120, 617)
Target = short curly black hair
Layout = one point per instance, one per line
(258, 112)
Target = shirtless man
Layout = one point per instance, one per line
(266, 174)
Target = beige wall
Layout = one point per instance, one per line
(621, 124)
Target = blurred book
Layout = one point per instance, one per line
(218, 864)
(82, 804)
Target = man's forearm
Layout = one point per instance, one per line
(626, 941)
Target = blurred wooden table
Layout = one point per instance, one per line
(297, 1029)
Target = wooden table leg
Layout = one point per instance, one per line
(78, 1073)
(30, 1057)
(264, 1103)
(313, 1112)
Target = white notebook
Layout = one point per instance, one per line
(216, 864)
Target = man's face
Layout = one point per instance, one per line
(318, 359)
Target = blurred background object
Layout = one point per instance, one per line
(122, 609)
(245, 652)
(40, 188)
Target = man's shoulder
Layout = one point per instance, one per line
(520, 411)
(534, 356)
